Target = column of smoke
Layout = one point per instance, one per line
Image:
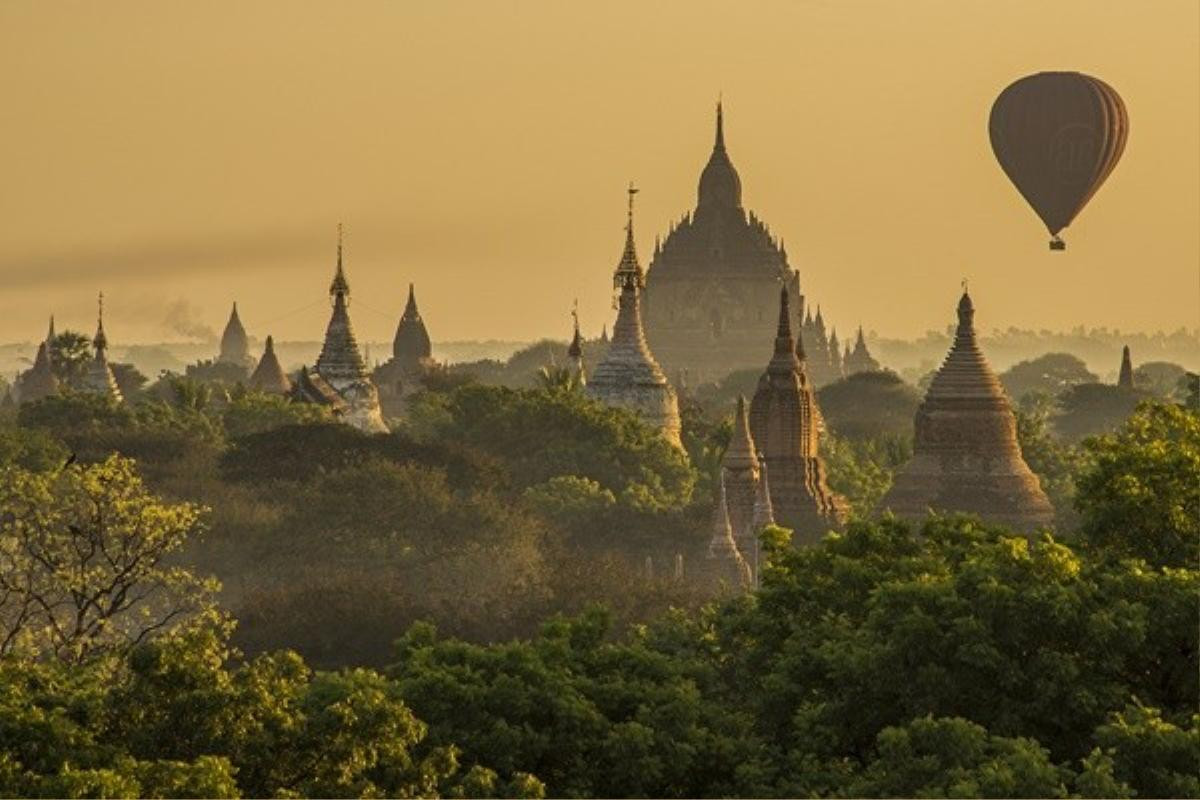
(182, 318)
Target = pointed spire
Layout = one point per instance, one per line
(785, 346)
(629, 271)
(100, 341)
(339, 286)
(1125, 380)
(575, 350)
(764, 512)
(719, 144)
(39, 381)
(741, 453)
(235, 345)
(269, 376)
(51, 334)
(729, 567)
(411, 345)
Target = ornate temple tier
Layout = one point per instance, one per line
(966, 456)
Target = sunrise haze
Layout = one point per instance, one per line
(186, 156)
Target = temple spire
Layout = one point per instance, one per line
(1125, 380)
(51, 334)
(339, 287)
(629, 271)
(719, 144)
(785, 353)
(100, 341)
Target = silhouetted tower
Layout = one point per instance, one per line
(235, 345)
(411, 348)
(1125, 379)
(269, 376)
(784, 421)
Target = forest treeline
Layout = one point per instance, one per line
(208, 592)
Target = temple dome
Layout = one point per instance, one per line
(720, 186)
(411, 345)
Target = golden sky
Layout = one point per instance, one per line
(180, 156)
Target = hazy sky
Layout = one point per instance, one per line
(180, 156)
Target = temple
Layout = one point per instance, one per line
(965, 455)
(340, 365)
(725, 568)
(712, 282)
(575, 355)
(859, 359)
(1125, 378)
(784, 423)
(740, 472)
(412, 357)
(269, 376)
(235, 345)
(98, 378)
(39, 380)
(628, 376)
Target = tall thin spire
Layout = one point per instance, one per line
(785, 353)
(629, 271)
(339, 286)
(100, 342)
(51, 334)
(719, 144)
(1125, 380)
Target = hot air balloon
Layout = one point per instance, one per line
(1058, 135)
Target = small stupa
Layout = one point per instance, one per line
(269, 376)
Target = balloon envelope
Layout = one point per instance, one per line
(1058, 135)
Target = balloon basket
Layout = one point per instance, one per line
(1057, 244)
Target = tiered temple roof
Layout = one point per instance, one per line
(269, 376)
(99, 377)
(784, 423)
(966, 456)
(628, 376)
(341, 364)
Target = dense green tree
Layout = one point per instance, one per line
(85, 561)
(862, 470)
(70, 352)
(539, 435)
(869, 405)
(1054, 461)
(30, 448)
(1159, 378)
(129, 379)
(1089, 409)
(588, 716)
(1140, 496)
(1052, 374)
(255, 412)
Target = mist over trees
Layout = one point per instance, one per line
(484, 602)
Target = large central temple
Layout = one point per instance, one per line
(713, 284)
